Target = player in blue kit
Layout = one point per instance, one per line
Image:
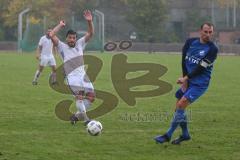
(198, 56)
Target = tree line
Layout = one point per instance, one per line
(148, 17)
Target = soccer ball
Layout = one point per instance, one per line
(94, 128)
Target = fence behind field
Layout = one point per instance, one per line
(229, 49)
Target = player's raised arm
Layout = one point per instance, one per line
(89, 18)
(54, 51)
(53, 33)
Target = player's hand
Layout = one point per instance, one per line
(182, 80)
(88, 15)
(184, 86)
(62, 23)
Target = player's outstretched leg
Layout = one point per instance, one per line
(82, 105)
(81, 113)
(178, 117)
(74, 118)
(53, 75)
(79, 116)
(53, 78)
(185, 134)
(88, 100)
(37, 75)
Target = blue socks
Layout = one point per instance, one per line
(184, 127)
(179, 118)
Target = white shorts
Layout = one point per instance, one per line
(47, 61)
(78, 83)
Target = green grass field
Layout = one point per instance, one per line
(30, 130)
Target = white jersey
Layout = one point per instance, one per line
(72, 57)
(47, 46)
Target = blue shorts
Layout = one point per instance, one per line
(192, 93)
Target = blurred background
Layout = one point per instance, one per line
(152, 25)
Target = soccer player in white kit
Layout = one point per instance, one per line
(72, 55)
(45, 56)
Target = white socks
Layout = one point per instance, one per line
(36, 76)
(87, 103)
(81, 114)
(80, 106)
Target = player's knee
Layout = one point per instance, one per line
(180, 104)
(183, 103)
(79, 95)
(90, 96)
(54, 69)
(179, 94)
(41, 69)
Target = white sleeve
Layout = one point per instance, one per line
(81, 42)
(40, 42)
(60, 48)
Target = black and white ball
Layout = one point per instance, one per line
(94, 128)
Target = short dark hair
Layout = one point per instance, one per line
(208, 24)
(72, 32)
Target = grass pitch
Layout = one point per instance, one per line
(30, 130)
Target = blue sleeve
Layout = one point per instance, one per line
(208, 59)
(212, 54)
(184, 53)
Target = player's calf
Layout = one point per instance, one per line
(53, 78)
(36, 76)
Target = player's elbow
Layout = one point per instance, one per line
(54, 41)
(91, 33)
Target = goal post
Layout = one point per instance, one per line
(28, 40)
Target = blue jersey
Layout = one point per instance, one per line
(193, 53)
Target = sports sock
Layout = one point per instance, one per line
(81, 114)
(36, 76)
(184, 127)
(177, 119)
(87, 103)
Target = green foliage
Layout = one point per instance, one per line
(53, 9)
(1, 34)
(194, 19)
(7, 33)
(224, 3)
(170, 37)
(147, 16)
